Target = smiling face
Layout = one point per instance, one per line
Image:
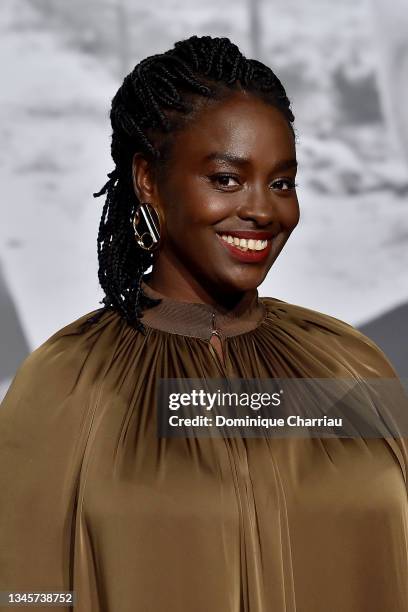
(231, 173)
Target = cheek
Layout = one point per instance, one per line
(196, 208)
(289, 214)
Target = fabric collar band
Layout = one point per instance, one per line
(200, 320)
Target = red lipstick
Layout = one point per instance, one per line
(249, 256)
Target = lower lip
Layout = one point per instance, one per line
(249, 255)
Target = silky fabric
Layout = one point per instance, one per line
(93, 501)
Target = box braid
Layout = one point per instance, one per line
(155, 99)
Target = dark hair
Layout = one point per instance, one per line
(158, 97)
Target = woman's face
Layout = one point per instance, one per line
(231, 174)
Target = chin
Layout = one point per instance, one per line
(244, 281)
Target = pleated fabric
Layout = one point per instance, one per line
(93, 501)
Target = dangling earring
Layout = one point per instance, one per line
(148, 225)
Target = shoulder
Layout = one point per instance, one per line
(72, 353)
(330, 338)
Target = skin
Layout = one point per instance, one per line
(193, 265)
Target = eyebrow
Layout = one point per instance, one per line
(284, 164)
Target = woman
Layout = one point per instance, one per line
(94, 500)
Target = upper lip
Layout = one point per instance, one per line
(254, 234)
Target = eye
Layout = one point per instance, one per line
(284, 184)
(223, 179)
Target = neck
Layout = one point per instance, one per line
(183, 288)
(191, 317)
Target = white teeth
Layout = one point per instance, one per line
(244, 244)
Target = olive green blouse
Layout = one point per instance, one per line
(93, 501)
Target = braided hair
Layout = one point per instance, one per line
(157, 98)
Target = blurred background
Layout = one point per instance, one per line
(345, 68)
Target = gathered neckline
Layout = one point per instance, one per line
(200, 320)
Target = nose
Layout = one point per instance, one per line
(260, 208)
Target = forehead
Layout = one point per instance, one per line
(241, 124)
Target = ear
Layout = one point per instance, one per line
(142, 177)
